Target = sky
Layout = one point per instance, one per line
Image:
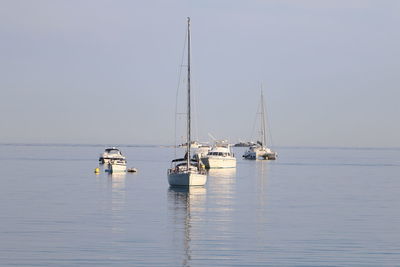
(107, 72)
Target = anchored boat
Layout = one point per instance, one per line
(220, 156)
(187, 171)
(260, 149)
(116, 165)
(111, 153)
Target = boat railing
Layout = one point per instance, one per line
(178, 169)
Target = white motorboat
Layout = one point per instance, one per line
(186, 171)
(201, 151)
(111, 153)
(194, 144)
(116, 165)
(260, 149)
(220, 156)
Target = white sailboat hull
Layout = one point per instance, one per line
(186, 179)
(260, 154)
(219, 162)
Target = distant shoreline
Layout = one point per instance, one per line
(171, 146)
(80, 145)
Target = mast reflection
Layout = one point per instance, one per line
(262, 180)
(262, 198)
(187, 204)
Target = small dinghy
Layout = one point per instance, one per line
(132, 170)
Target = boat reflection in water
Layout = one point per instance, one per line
(186, 205)
(262, 217)
(262, 168)
(222, 190)
(229, 173)
(118, 201)
(201, 220)
(222, 187)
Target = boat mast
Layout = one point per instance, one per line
(263, 135)
(188, 100)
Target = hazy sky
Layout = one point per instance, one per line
(93, 71)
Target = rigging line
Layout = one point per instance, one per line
(254, 123)
(268, 126)
(196, 116)
(195, 121)
(177, 92)
(195, 108)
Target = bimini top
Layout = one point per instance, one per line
(112, 150)
(183, 159)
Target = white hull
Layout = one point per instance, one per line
(186, 179)
(260, 154)
(219, 162)
(116, 168)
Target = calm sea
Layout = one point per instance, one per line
(311, 207)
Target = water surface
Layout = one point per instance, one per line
(311, 207)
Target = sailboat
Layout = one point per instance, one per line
(260, 149)
(187, 171)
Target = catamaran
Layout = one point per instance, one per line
(187, 171)
(260, 149)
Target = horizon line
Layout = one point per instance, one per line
(171, 145)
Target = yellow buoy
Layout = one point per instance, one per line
(97, 170)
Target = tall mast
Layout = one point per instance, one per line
(263, 133)
(188, 100)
